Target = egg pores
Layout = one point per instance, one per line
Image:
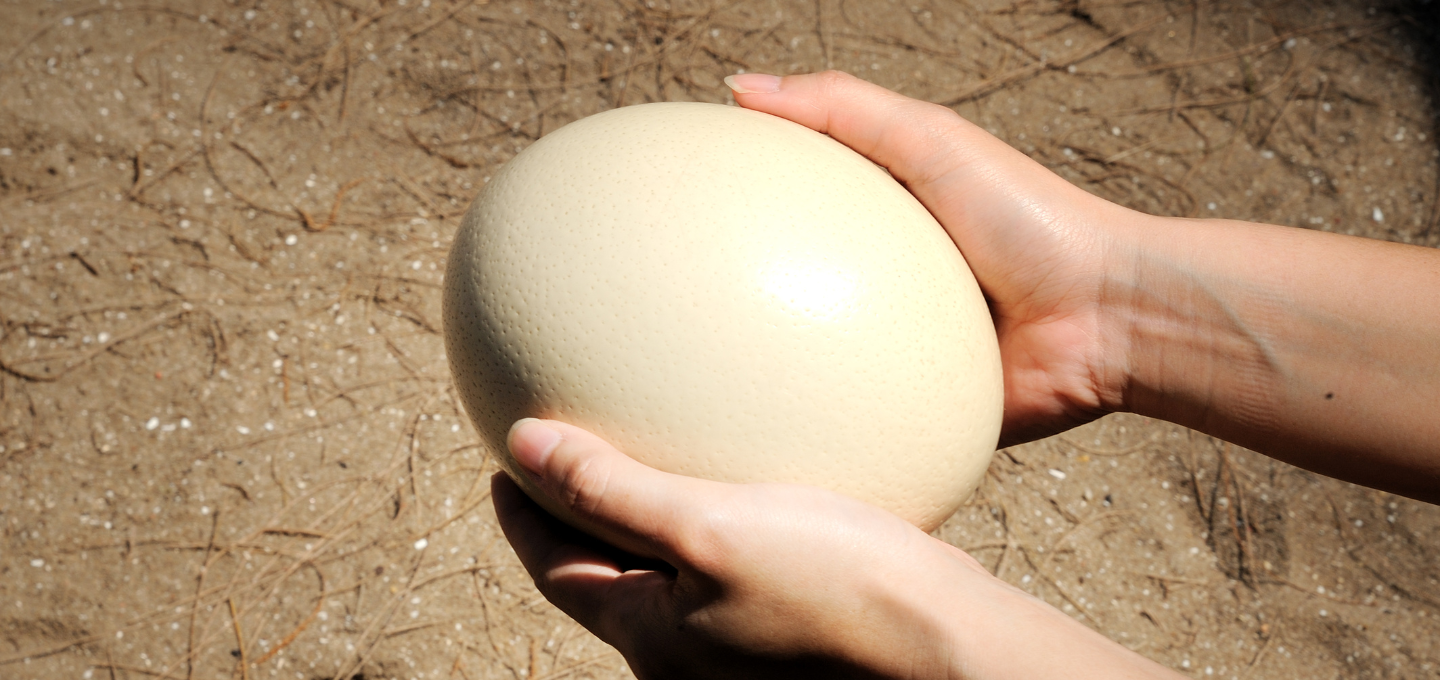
(725, 294)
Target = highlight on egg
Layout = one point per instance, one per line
(725, 294)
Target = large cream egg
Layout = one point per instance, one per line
(725, 294)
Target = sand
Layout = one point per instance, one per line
(231, 448)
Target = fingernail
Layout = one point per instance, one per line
(753, 83)
(531, 442)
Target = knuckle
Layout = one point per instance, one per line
(938, 124)
(582, 485)
(707, 537)
(835, 79)
(560, 591)
(545, 582)
(938, 116)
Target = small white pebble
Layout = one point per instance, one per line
(1057, 474)
(269, 426)
(420, 544)
(1378, 215)
(185, 423)
(103, 337)
(274, 337)
(37, 563)
(152, 423)
(291, 240)
(1211, 205)
(1194, 551)
(204, 509)
(1324, 613)
(455, 427)
(242, 429)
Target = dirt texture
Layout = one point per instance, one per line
(229, 446)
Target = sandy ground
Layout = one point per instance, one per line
(229, 447)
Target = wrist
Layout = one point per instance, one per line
(1180, 328)
(998, 619)
(1125, 245)
(942, 613)
(959, 621)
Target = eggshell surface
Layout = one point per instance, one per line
(725, 294)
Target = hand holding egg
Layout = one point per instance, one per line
(1097, 309)
(797, 320)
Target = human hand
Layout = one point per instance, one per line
(1307, 346)
(1040, 247)
(754, 581)
(700, 579)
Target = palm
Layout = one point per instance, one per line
(1019, 226)
(1044, 363)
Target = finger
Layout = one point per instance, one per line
(551, 551)
(952, 166)
(627, 504)
(917, 141)
(573, 571)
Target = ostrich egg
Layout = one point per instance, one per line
(725, 294)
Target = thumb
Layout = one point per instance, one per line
(588, 483)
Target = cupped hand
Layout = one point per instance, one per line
(1042, 249)
(700, 579)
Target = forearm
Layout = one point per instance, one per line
(998, 632)
(1318, 349)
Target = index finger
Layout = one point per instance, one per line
(583, 577)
